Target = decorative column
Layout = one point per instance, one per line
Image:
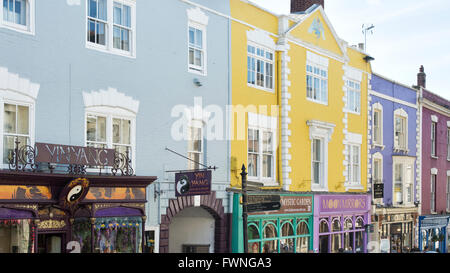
(92, 234)
(144, 219)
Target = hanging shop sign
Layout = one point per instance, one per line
(262, 207)
(74, 155)
(193, 183)
(378, 190)
(74, 192)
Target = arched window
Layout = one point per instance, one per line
(270, 232)
(287, 230)
(348, 235)
(359, 235)
(302, 242)
(253, 234)
(324, 239)
(336, 239)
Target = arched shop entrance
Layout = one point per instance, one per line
(180, 232)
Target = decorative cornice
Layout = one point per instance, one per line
(261, 37)
(110, 98)
(13, 82)
(198, 16)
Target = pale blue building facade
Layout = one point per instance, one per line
(116, 74)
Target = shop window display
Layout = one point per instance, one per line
(323, 239)
(118, 235)
(336, 239)
(359, 235)
(270, 231)
(253, 234)
(287, 235)
(17, 236)
(81, 233)
(348, 236)
(302, 242)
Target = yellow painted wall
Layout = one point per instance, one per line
(304, 110)
(259, 101)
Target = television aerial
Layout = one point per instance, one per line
(367, 29)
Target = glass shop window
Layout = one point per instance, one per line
(81, 233)
(118, 235)
(253, 234)
(336, 239)
(287, 234)
(270, 232)
(359, 235)
(348, 235)
(302, 242)
(16, 236)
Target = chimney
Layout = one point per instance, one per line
(300, 6)
(361, 46)
(422, 78)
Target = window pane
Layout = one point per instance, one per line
(267, 166)
(117, 37)
(91, 31)
(125, 40)
(117, 13)
(92, 8)
(101, 34)
(191, 36)
(9, 122)
(91, 129)
(253, 165)
(116, 130)
(101, 129)
(23, 120)
(198, 57)
(199, 38)
(127, 16)
(102, 10)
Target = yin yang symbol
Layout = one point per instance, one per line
(183, 185)
(75, 193)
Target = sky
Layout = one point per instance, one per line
(407, 34)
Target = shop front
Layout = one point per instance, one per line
(433, 232)
(398, 226)
(287, 230)
(340, 223)
(49, 210)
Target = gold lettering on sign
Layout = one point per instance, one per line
(51, 224)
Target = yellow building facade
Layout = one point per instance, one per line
(300, 125)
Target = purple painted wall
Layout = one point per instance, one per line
(409, 96)
(441, 163)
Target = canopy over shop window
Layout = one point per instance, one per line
(119, 211)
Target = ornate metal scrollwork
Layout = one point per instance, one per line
(122, 163)
(22, 157)
(76, 169)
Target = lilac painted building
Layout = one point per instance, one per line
(435, 150)
(394, 167)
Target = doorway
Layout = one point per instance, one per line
(50, 243)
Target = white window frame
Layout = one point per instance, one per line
(262, 123)
(192, 68)
(355, 91)
(31, 122)
(29, 28)
(322, 63)
(448, 143)
(405, 162)
(353, 141)
(448, 191)
(433, 201)
(378, 157)
(400, 113)
(318, 77)
(433, 142)
(111, 113)
(322, 177)
(109, 30)
(320, 130)
(264, 61)
(195, 124)
(377, 107)
(199, 20)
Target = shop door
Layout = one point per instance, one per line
(50, 243)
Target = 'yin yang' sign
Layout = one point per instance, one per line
(193, 183)
(74, 192)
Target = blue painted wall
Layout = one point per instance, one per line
(56, 57)
(397, 92)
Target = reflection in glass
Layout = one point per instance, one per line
(302, 242)
(287, 244)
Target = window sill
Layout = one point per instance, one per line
(435, 157)
(397, 149)
(196, 71)
(353, 187)
(17, 28)
(318, 189)
(261, 88)
(381, 146)
(116, 52)
(317, 101)
(352, 112)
